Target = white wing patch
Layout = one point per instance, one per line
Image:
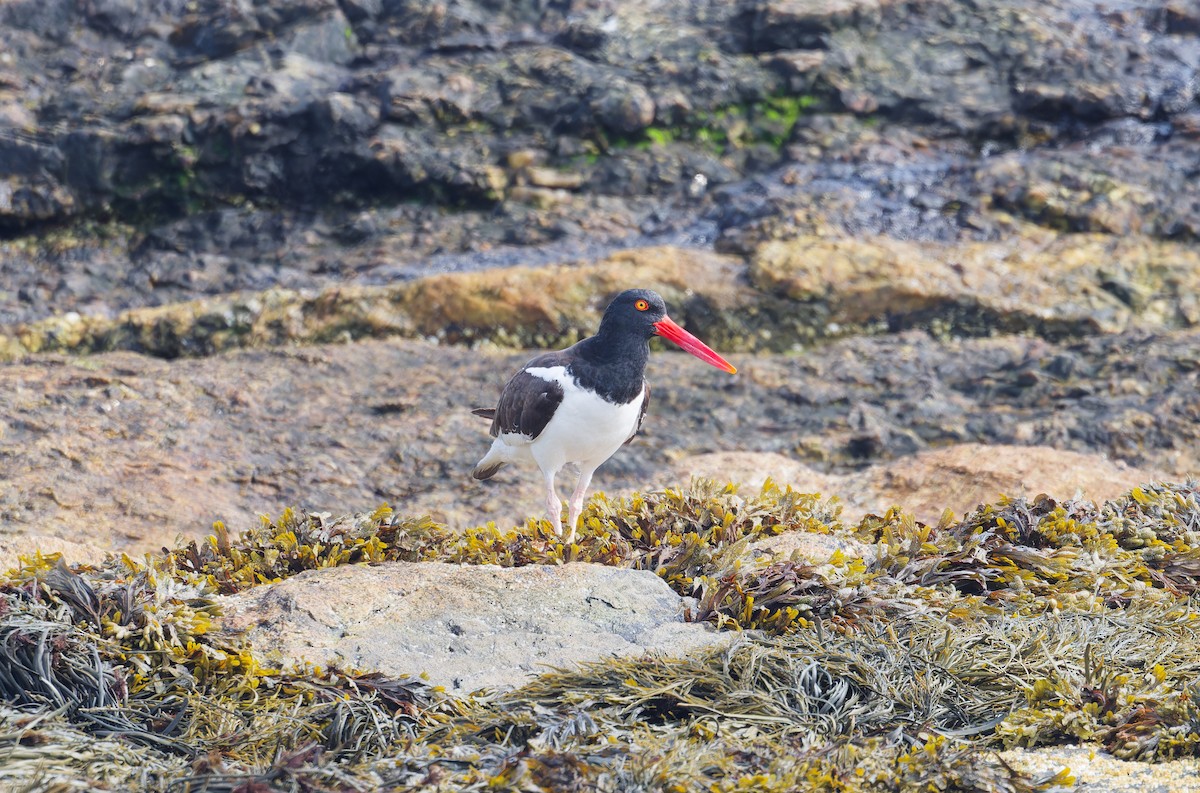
(553, 374)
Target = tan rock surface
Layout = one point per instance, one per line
(751, 469)
(961, 477)
(13, 547)
(958, 477)
(465, 627)
(558, 303)
(511, 307)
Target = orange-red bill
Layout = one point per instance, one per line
(673, 333)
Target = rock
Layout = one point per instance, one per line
(623, 107)
(12, 547)
(416, 98)
(906, 122)
(346, 118)
(770, 25)
(808, 547)
(465, 627)
(794, 293)
(1097, 770)
(359, 10)
(549, 177)
(1183, 18)
(127, 452)
(23, 201)
(962, 477)
(554, 305)
(1053, 286)
(750, 470)
(1145, 191)
(15, 116)
(925, 484)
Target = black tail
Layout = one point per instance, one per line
(486, 473)
(487, 413)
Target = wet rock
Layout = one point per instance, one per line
(24, 201)
(115, 17)
(417, 98)
(1182, 18)
(465, 627)
(1145, 190)
(345, 117)
(769, 25)
(325, 38)
(15, 117)
(419, 22)
(212, 31)
(359, 11)
(623, 107)
(154, 115)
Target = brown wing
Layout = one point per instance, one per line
(526, 404)
(642, 415)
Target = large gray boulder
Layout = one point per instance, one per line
(464, 627)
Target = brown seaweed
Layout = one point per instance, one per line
(1027, 623)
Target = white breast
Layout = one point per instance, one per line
(585, 429)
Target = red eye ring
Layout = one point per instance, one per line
(641, 305)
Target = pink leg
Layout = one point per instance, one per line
(575, 505)
(553, 505)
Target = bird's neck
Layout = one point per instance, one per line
(612, 365)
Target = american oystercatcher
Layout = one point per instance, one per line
(579, 405)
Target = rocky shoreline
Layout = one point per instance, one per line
(261, 260)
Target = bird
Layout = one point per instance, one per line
(578, 406)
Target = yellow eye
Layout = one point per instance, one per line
(641, 305)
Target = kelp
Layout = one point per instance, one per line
(899, 662)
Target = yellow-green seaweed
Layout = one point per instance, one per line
(1027, 623)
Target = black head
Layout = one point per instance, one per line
(633, 317)
(634, 312)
